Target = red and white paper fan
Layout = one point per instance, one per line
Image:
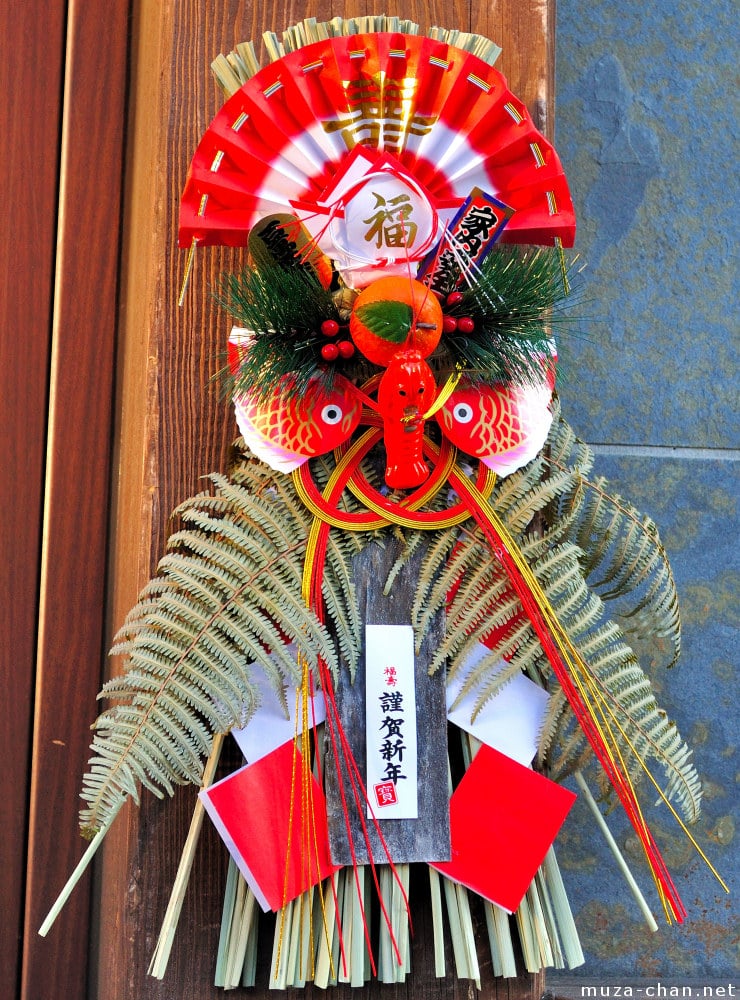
(438, 118)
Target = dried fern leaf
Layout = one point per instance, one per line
(623, 559)
(595, 550)
(226, 596)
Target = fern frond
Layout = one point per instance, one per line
(440, 574)
(226, 596)
(339, 596)
(624, 560)
(589, 536)
(564, 448)
(411, 543)
(439, 557)
(498, 676)
(623, 689)
(483, 602)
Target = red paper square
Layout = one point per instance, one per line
(503, 817)
(251, 810)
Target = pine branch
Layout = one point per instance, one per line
(514, 303)
(283, 309)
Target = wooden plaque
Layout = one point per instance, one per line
(426, 838)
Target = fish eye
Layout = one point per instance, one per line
(331, 414)
(463, 413)
(401, 392)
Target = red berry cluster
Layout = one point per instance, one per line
(335, 349)
(461, 324)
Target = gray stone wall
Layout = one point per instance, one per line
(646, 129)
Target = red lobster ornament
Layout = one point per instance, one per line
(396, 322)
(405, 393)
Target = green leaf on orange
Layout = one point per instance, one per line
(390, 321)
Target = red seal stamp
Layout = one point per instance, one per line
(385, 793)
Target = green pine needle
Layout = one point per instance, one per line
(513, 303)
(283, 308)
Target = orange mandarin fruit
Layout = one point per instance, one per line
(393, 314)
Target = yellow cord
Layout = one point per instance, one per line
(587, 683)
(281, 930)
(445, 392)
(386, 518)
(308, 831)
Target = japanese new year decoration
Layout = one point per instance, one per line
(393, 372)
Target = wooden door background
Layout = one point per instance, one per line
(109, 419)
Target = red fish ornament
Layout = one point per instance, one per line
(504, 426)
(289, 427)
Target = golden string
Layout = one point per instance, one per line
(324, 920)
(308, 828)
(445, 392)
(584, 679)
(281, 930)
(386, 517)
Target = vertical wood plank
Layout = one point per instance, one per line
(173, 429)
(72, 591)
(31, 56)
(525, 30)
